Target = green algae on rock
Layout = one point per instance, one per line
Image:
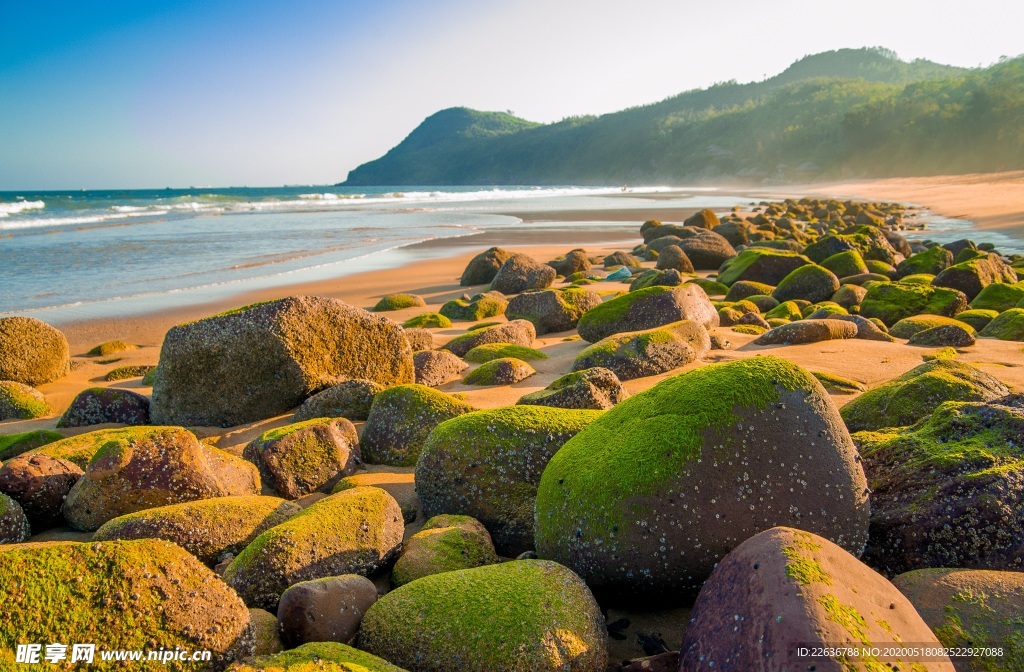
(390, 302)
(12, 445)
(445, 545)
(893, 301)
(108, 348)
(810, 282)
(317, 657)
(427, 320)
(645, 500)
(553, 310)
(520, 616)
(126, 372)
(21, 402)
(488, 351)
(845, 264)
(647, 309)
(761, 264)
(999, 296)
(304, 457)
(351, 399)
(635, 354)
(908, 326)
(14, 525)
(516, 332)
(400, 419)
(478, 307)
(977, 318)
(1008, 326)
(501, 371)
(595, 388)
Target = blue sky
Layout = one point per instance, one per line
(152, 94)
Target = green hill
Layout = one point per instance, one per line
(851, 112)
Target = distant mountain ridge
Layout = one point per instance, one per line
(851, 112)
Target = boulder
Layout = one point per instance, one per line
(351, 399)
(516, 332)
(266, 632)
(999, 296)
(645, 500)
(14, 525)
(595, 388)
(390, 302)
(81, 447)
(32, 352)
(397, 482)
(845, 264)
(491, 351)
(737, 233)
(445, 544)
(762, 265)
(673, 257)
(978, 319)
(891, 302)
(576, 261)
(908, 326)
(917, 393)
(437, 367)
(970, 277)
(744, 289)
(483, 267)
(810, 282)
(419, 336)
(849, 296)
(869, 241)
(400, 420)
(355, 531)
(659, 244)
(952, 335)
(521, 272)
(522, 615)
(958, 246)
(134, 595)
(21, 402)
(305, 457)
(108, 348)
(477, 307)
(705, 219)
(620, 258)
(39, 484)
(487, 465)
(653, 277)
(934, 260)
(320, 656)
(324, 610)
(153, 466)
(807, 331)
(866, 329)
(99, 405)
(705, 249)
(1008, 326)
(646, 309)
(262, 360)
(209, 529)
(785, 588)
(500, 371)
(635, 354)
(12, 445)
(553, 310)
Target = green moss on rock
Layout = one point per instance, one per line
(977, 318)
(427, 321)
(489, 351)
(398, 302)
(126, 372)
(400, 419)
(441, 548)
(1008, 326)
(21, 402)
(999, 297)
(787, 310)
(479, 307)
(892, 302)
(846, 263)
(111, 347)
(501, 371)
(909, 326)
(710, 287)
(12, 445)
(317, 657)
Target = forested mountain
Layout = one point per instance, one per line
(851, 112)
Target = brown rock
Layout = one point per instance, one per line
(99, 405)
(298, 459)
(521, 272)
(32, 352)
(39, 484)
(483, 267)
(807, 331)
(324, 610)
(437, 367)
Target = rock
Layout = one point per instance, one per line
(397, 482)
(620, 259)
(501, 371)
(261, 360)
(1008, 326)
(917, 393)
(21, 402)
(128, 372)
(908, 326)
(710, 287)
(32, 352)
(934, 260)
(305, 457)
(737, 233)
(952, 335)
(81, 447)
(673, 257)
(351, 399)
(523, 615)
(390, 302)
(445, 544)
(969, 608)
(705, 219)
(400, 420)
(419, 325)
(209, 529)
(153, 466)
(958, 246)
(635, 354)
(868, 240)
(810, 282)
(978, 319)
(487, 465)
(477, 307)
(325, 656)
(808, 331)
(705, 249)
(944, 492)
(970, 277)
(98, 405)
(108, 348)
(785, 588)
(891, 302)
(845, 264)
(39, 484)
(324, 610)
(849, 296)
(266, 632)
(574, 262)
(483, 267)
(659, 244)
(744, 289)
(136, 595)
(762, 265)
(14, 525)
(645, 500)
(646, 309)
(516, 332)
(553, 310)
(437, 367)
(999, 296)
(12, 445)
(652, 278)
(621, 274)
(594, 388)
(866, 329)
(355, 531)
(521, 272)
(491, 351)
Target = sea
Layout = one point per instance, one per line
(73, 255)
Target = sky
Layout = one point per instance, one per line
(229, 93)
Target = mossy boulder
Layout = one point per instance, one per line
(39, 484)
(208, 528)
(490, 351)
(845, 264)
(305, 457)
(933, 261)
(891, 302)
(32, 352)
(761, 264)
(324, 610)
(595, 388)
(397, 482)
(710, 287)
(645, 500)
(437, 367)
(445, 544)
(522, 615)
(266, 632)
(971, 277)
(635, 354)
(477, 307)
(98, 405)
(419, 339)
(810, 282)
(673, 258)
(146, 595)
(999, 296)
(14, 525)
(951, 335)
(918, 278)
(81, 447)
(12, 445)
(1008, 326)
(763, 303)
(785, 586)
(909, 326)
(427, 321)
(400, 419)
(869, 241)
(553, 310)
(744, 289)
(620, 258)
(482, 268)
(351, 399)
(653, 278)
(108, 348)
(822, 310)
(501, 371)
(319, 656)
(262, 360)
(977, 318)
(390, 302)
(917, 393)
(521, 272)
(516, 332)
(576, 261)
(787, 310)
(704, 219)
(355, 531)
(849, 296)
(148, 467)
(487, 465)
(807, 331)
(127, 372)
(944, 493)
(968, 608)
(646, 309)
(21, 402)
